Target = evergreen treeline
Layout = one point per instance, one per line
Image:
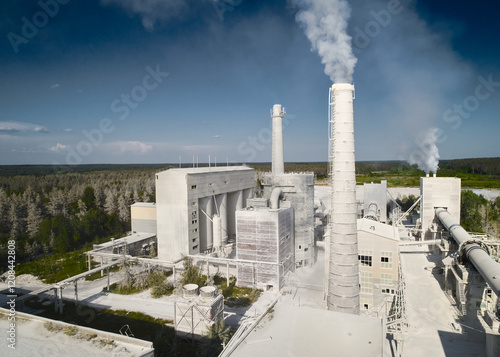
(485, 166)
(479, 215)
(60, 212)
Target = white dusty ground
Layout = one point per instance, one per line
(432, 320)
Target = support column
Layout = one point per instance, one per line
(247, 194)
(102, 263)
(173, 270)
(56, 301)
(61, 300)
(90, 266)
(107, 273)
(75, 282)
(227, 274)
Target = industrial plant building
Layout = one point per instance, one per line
(297, 188)
(378, 258)
(264, 246)
(189, 200)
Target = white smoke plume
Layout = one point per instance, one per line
(426, 153)
(151, 11)
(325, 25)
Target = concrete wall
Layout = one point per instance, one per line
(438, 192)
(182, 195)
(299, 190)
(143, 217)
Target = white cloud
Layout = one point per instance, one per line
(55, 86)
(68, 130)
(131, 147)
(20, 127)
(58, 148)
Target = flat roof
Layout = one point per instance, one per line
(133, 238)
(204, 170)
(378, 228)
(144, 204)
(304, 331)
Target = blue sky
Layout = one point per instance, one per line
(130, 81)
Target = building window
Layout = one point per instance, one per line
(194, 221)
(300, 247)
(306, 249)
(386, 291)
(386, 279)
(366, 282)
(365, 306)
(195, 247)
(193, 187)
(365, 258)
(386, 260)
(194, 240)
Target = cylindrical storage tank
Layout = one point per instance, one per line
(190, 290)
(206, 229)
(343, 287)
(221, 202)
(217, 232)
(208, 291)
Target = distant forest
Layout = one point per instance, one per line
(49, 209)
(485, 166)
(56, 213)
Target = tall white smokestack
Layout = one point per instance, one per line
(277, 114)
(343, 283)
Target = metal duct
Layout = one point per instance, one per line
(277, 114)
(343, 283)
(275, 197)
(484, 263)
(372, 212)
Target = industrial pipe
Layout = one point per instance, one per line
(275, 197)
(372, 211)
(484, 263)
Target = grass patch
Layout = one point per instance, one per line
(116, 289)
(55, 267)
(70, 330)
(138, 316)
(236, 296)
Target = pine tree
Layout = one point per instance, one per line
(123, 209)
(13, 216)
(110, 204)
(34, 216)
(82, 209)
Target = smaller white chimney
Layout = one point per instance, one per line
(434, 175)
(278, 165)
